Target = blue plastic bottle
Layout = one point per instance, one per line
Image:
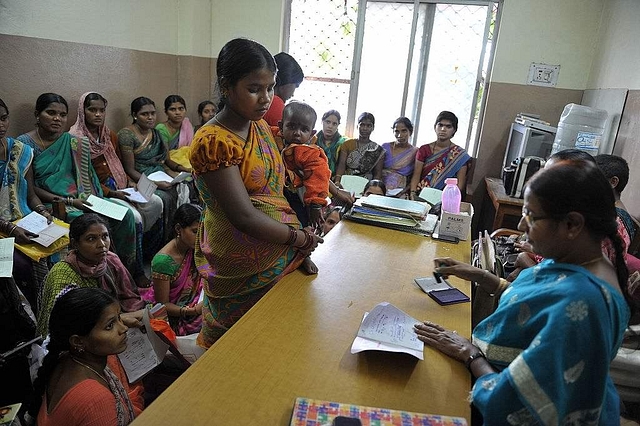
(451, 196)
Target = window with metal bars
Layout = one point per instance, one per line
(394, 58)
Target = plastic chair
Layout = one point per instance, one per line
(354, 184)
(431, 195)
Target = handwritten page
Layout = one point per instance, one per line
(387, 328)
(146, 187)
(107, 208)
(161, 176)
(33, 222)
(144, 351)
(6, 256)
(145, 190)
(48, 233)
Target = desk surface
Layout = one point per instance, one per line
(496, 191)
(296, 341)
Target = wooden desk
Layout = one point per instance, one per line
(296, 341)
(503, 204)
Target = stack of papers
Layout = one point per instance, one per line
(394, 213)
(387, 328)
(415, 209)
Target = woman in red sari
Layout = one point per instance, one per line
(441, 159)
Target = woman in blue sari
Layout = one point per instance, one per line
(543, 356)
(17, 200)
(63, 172)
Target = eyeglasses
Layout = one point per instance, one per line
(526, 215)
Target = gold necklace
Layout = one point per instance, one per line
(182, 253)
(145, 139)
(173, 129)
(40, 142)
(589, 262)
(90, 368)
(228, 129)
(435, 144)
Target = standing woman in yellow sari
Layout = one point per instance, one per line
(249, 237)
(63, 172)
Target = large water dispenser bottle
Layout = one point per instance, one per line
(580, 127)
(451, 196)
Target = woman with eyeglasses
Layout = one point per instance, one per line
(543, 356)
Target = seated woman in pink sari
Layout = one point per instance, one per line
(176, 281)
(399, 158)
(440, 160)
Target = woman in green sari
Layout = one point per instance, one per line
(63, 172)
(177, 131)
(144, 151)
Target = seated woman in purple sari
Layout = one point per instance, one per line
(176, 282)
(399, 158)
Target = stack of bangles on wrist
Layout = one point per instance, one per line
(308, 241)
(293, 236)
(69, 201)
(7, 227)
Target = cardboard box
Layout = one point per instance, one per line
(457, 225)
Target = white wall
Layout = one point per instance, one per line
(548, 31)
(617, 60)
(179, 27)
(260, 20)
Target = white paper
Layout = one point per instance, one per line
(48, 233)
(387, 328)
(144, 351)
(146, 187)
(144, 192)
(33, 222)
(107, 208)
(161, 176)
(135, 196)
(6, 256)
(428, 284)
(181, 177)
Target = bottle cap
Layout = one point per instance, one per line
(451, 181)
